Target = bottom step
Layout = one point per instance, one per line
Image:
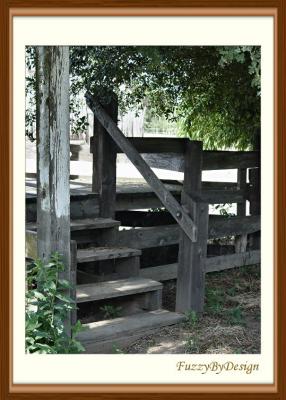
(105, 336)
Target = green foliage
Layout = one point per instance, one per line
(212, 92)
(111, 311)
(235, 316)
(47, 309)
(214, 301)
(191, 318)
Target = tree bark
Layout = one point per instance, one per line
(53, 153)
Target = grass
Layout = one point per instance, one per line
(230, 323)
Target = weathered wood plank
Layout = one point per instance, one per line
(212, 160)
(212, 264)
(118, 288)
(241, 240)
(255, 203)
(53, 153)
(104, 162)
(155, 145)
(84, 224)
(31, 245)
(73, 279)
(191, 274)
(161, 272)
(220, 263)
(156, 236)
(100, 337)
(220, 226)
(105, 253)
(144, 218)
(185, 222)
(221, 196)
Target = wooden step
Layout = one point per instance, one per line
(105, 253)
(105, 336)
(84, 224)
(118, 288)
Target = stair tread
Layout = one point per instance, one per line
(105, 253)
(117, 288)
(132, 325)
(85, 223)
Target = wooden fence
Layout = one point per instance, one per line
(169, 249)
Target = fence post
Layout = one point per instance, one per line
(255, 206)
(191, 263)
(241, 240)
(104, 161)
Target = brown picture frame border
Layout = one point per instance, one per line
(9, 9)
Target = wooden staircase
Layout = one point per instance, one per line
(108, 276)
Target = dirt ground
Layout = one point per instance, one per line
(229, 325)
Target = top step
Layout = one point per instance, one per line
(84, 224)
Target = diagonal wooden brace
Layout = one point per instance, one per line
(167, 199)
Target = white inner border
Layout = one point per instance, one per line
(140, 31)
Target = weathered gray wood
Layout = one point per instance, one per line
(149, 237)
(220, 263)
(104, 162)
(161, 272)
(85, 224)
(191, 274)
(53, 154)
(31, 245)
(81, 206)
(73, 279)
(141, 218)
(212, 160)
(164, 195)
(241, 241)
(127, 267)
(105, 253)
(219, 196)
(255, 203)
(102, 336)
(220, 226)
(118, 288)
(212, 264)
(155, 145)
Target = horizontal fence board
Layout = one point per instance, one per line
(223, 196)
(220, 263)
(213, 264)
(220, 226)
(212, 160)
(154, 145)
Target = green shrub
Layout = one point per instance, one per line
(47, 310)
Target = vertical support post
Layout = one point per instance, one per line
(191, 268)
(241, 240)
(53, 155)
(104, 162)
(255, 206)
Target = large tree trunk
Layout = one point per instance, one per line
(53, 153)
